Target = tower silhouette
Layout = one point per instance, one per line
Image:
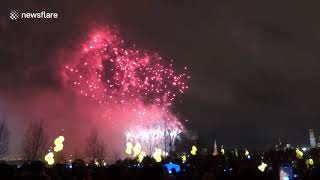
(312, 138)
(215, 150)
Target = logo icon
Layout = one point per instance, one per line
(14, 15)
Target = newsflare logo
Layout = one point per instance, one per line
(15, 15)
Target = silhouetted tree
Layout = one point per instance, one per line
(4, 138)
(101, 151)
(95, 147)
(35, 141)
(116, 156)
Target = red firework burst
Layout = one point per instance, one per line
(108, 72)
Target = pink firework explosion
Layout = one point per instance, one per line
(110, 73)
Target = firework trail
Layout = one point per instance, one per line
(111, 74)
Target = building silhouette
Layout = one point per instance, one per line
(312, 138)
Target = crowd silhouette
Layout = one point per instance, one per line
(226, 166)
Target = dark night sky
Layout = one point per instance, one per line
(254, 65)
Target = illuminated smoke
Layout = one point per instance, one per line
(133, 82)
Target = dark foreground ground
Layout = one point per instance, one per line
(281, 165)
